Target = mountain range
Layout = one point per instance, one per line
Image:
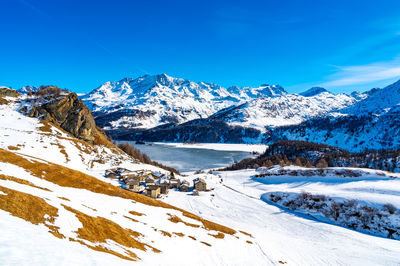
(164, 108)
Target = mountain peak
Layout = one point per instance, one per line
(313, 91)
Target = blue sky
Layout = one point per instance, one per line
(341, 45)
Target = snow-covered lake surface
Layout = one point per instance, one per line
(192, 157)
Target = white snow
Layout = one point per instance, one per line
(292, 238)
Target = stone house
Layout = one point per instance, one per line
(184, 186)
(200, 184)
(163, 188)
(174, 183)
(150, 180)
(133, 185)
(153, 191)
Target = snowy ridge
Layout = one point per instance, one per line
(161, 99)
(289, 109)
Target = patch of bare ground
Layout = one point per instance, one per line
(62, 150)
(66, 177)
(30, 208)
(99, 230)
(133, 220)
(176, 219)
(89, 207)
(22, 181)
(63, 198)
(247, 234)
(178, 234)
(219, 235)
(249, 242)
(192, 237)
(165, 233)
(205, 243)
(13, 148)
(136, 213)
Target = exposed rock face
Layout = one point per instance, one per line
(71, 114)
(7, 92)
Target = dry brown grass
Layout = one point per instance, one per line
(22, 181)
(205, 243)
(66, 177)
(133, 220)
(192, 237)
(136, 213)
(13, 148)
(99, 230)
(62, 150)
(178, 234)
(176, 219)
(30, 208)
(219, 235)
(249, 242)
(247, 234)
(165, 233)
(63, 198)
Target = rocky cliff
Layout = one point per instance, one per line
(69, 113)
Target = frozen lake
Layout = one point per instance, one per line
(192, 157)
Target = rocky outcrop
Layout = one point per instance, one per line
(69, 113)
(7, 92)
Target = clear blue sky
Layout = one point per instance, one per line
(341, 45)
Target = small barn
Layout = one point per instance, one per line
(150, 180)
(174, 183)
(200, 184)
(164, 188)
(153, 191)
(133, 185)
(184, 186)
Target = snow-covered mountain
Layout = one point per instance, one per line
(286, 109)
(313, 91)
(150, 101)
(372, 123)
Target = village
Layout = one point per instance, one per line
(156, 184)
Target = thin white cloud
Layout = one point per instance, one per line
(363, 74)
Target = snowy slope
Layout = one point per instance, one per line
(382, 101)
(150, 101)
(75, 217)
(294, 238)
(288, 109)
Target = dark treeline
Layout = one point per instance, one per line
(142, 157)
(309, 154)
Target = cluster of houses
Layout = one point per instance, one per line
(153, 184)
